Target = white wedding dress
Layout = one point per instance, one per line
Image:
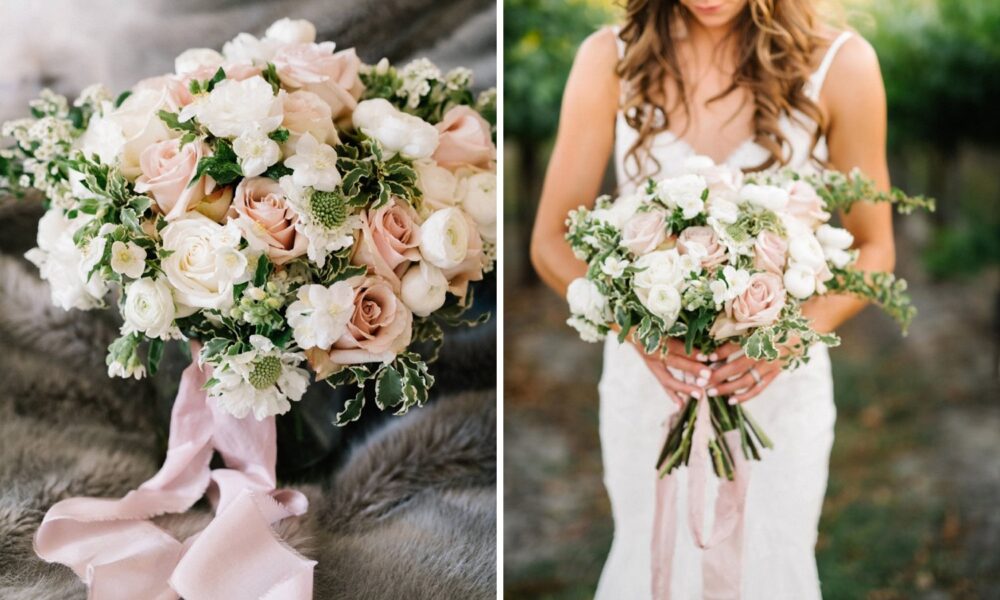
(786, 488)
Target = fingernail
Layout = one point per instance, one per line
(732, 402)
(696, 394)
(701, 356)
(705, 373)
(701, 382)
(688, 378)
(712, 392)
(713, 356)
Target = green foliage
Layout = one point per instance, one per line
(223, 165)
(540, 40)
(367, 175)
(400, 385)
(882, 289)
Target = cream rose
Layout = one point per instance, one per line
(478, 194)
(333, 76)
(305, 112)
(759, 304)
(663, 301)
(438, 185)
(389, 241)
(703, 244)
(770, 251)
(465, 138)
(644, 231)
(204, 262)
(289, 31)
(424, 288)
(149, 308)
(380, 327)
(123, 135)
(268, 222)
(167, 168)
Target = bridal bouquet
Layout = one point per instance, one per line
(280, 202)
(713, 256)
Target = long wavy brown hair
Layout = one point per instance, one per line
(775, 41)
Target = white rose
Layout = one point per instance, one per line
(765, 196)
(288, 31)
(623, 209)
(478, 194)
(438, 185)
(586, 300)
(835, 238)
(683, 192)
(662, 267)
(663, 301)
(236, 107)
(149, 308)
(723, 210)
(320, 315)
(397, 132)
(444, 238)
(205, 263)
(424, 288)
(196, 59)
(800, 281)
(122, 135)
(247, 49)
(59, 263)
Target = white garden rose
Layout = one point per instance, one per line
(444, 238)
(233, 108)
(289, 31)
(197, 59)
(424, 288)
(478, 193)
(438, 185)
(247, 49)
(205, 262)
(683, 192)
(662, 267)
(800, 282)
(122, 135)
(320, 315)
(59, 263)
(663, 301)
(623, 209)
(149, 309)
(587, 301)
(764, 196)
(397, 132)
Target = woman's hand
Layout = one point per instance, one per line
(743, 378)
(695, 370)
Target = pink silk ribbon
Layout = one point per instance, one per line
(722, 560)
(114, 547)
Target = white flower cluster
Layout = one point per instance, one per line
(255, 199)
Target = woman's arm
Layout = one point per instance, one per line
(579, 158)
(854, 99)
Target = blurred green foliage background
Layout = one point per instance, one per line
(915, 475)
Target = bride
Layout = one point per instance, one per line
(753, 84)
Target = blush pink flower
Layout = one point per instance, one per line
(167, 167)
(262, 212)
(389, 241)
(770, 252)
(464, 138)
(760, 304)
(805, 204)
(644, 231)
(333, 76)
(704, 244)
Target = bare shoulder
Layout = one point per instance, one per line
(592, 88)
(854, 68)
(598, 54)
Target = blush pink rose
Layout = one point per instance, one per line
(759, 305)
(464, 138)
(770, 251)
(380, 328)
(644, 231)
(167, 168)
(805, 204)
(305, 112)
(333, 76)
(703, 243)
(260, 208)
(216, 205)
(389, 241)
(234, 71)
(174, 88)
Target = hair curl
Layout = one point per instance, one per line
(775, 41)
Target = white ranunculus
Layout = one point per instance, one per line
(587, 301)
(397, 132)
(59, 263)
(314, 165)
(438, 185)
(247, 49)
(765, 196)
(128, 258)
(195, 59)
(663, 301)
(839, 258)
(236, 107)
(256, 152)
(121, 136)
(662, 267)
(800, 281)
(149, 308)
(478, 193)
(424, 288)
(444, 238)
(806, 250)
(205, 262)
(834, 238)
(320, 315)
(723, 210)
(683, 192)
(288, 31)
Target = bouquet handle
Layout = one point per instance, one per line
(723, 557)
(115, 548)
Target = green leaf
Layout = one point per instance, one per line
(131, 220)
(172, 120)
(352, 409)
(220, 75)
(262, 272)
(122, 97)
(154, 355)
(270, 75)
(279, 135)
(277, 171)
(213, 347)
(388, 388)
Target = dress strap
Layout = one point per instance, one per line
(619, 42)
(816, 81)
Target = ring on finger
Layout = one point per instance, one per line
(756, 376)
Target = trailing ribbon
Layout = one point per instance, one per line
(114, 547)
(722, 561)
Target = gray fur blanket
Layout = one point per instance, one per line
(409, 513)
